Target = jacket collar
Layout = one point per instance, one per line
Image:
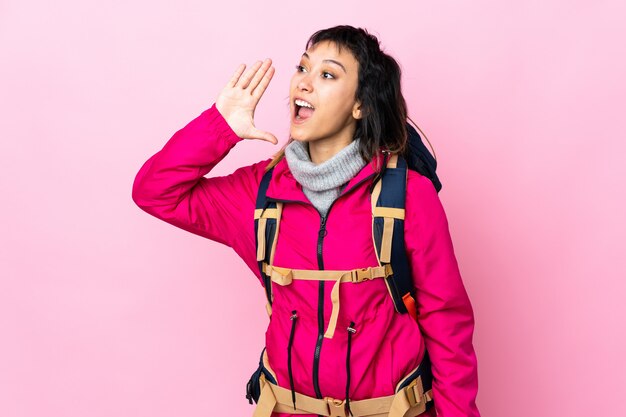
(283, 185)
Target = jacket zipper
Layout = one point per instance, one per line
(320, 306)
(321, 234)
(320, 302)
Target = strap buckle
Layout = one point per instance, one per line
(336, 408)
(415, 392)
(359, 275)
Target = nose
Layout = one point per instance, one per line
(305, 83)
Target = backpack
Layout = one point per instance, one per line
(419, 158)
(388, 202)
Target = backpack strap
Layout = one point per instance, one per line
(266, 223)
(388, 209)
(388, 204)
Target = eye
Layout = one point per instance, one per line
(325, 74)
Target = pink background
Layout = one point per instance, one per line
(107, 311)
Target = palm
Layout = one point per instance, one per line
(239, 99)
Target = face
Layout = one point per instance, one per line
(327, 80)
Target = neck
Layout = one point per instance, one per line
(322, 150)
(322, 183)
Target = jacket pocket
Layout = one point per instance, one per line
(405, 361)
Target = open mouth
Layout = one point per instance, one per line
(303, 109)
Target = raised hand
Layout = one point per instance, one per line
(240, 96)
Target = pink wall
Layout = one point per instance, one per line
(106, 311)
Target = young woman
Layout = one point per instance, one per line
(347, 116)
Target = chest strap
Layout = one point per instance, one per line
(409, 401)
(285, 276)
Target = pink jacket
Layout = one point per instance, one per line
(387, 345)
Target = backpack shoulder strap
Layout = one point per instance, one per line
(388, 209)
(266, 223)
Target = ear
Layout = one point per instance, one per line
(357, 113)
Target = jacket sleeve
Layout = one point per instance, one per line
(444, 311)
(171, 186)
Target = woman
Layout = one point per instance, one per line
(347, 115)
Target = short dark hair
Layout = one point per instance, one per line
(384, 111)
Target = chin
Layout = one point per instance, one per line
(297, 136)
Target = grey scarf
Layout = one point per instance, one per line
(323, 183)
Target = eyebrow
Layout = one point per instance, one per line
(332, 61)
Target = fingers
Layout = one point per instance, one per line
(252, 76)
(266, 136)
(258, 76)
(244, 80)
(236, 75)
(265, 81)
